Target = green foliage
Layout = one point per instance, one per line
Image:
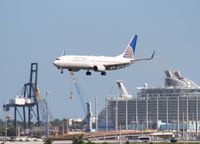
(48, 141)
(127, 142)
(78, 140)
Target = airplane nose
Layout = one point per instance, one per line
(55, 63)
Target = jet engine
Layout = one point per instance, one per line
(99, 68)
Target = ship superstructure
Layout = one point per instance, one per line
(175, 106)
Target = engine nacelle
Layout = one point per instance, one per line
(99, 68)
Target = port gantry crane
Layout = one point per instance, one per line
(32, 103)
(27, 101)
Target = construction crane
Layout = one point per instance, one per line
(88, 113)
(81, 98)
(44, 112)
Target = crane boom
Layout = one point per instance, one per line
(81, 98)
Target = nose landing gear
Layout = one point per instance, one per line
(61, 71)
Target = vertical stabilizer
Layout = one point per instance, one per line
(130, 50)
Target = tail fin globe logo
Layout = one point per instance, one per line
(130, 50)
(128, 53)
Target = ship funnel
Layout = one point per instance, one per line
(123, 90)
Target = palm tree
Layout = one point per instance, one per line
(78, 140)
(48, 141)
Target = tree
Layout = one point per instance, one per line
(48, 141)
(78, 140)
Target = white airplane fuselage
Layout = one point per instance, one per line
(97, 63)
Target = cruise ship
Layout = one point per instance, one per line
(175, 106)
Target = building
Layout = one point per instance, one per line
(175, 106)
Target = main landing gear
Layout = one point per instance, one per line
(88, 73)
(103, 73)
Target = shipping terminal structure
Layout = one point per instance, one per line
(174, 107)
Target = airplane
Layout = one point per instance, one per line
(101, 64)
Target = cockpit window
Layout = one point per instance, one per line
(57, 59)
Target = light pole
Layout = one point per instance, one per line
(6, 129)
(106, 105)
(63, 125)
(126, 114)
(7, 117)
(116, 116)
(47, 112)
(4, 109)
(120, 134)
(96, 115)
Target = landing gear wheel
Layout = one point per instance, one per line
(61, 71)
(88, 73)
(103, 73)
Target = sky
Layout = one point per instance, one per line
(38, 31)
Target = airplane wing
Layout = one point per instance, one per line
(123, 65)
(116, 66)
(150, 58)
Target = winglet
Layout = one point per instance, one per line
(152, 56)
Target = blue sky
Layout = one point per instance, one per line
(38, 31)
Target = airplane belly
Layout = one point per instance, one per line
(79, 65)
